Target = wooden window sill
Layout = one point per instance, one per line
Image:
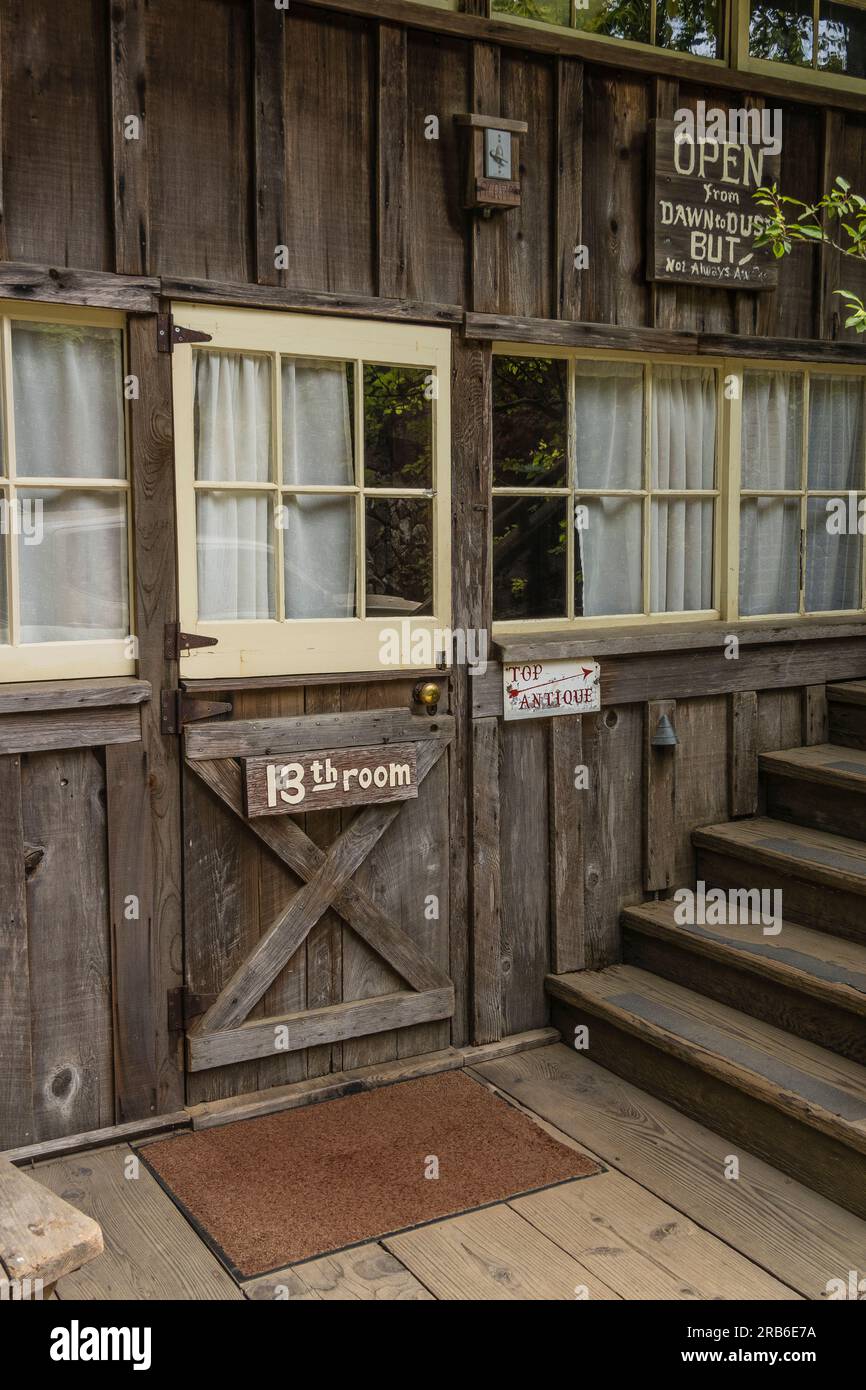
(638, 640)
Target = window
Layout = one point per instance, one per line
(627, 490)
(680, 26)
(313, 492)
(64, 495)
(824, 36)
(605, 491)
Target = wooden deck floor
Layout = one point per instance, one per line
(661, 1222)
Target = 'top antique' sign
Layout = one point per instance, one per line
(703, 218)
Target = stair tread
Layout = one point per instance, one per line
(826, 965)
(822, 762)
(832, 859)
(848, 692)
(799, 1077)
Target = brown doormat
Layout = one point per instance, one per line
(276, 1190)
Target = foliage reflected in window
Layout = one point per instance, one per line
(842, 39)
(530, 430)
(546, 11)
(782, 33)
(529, 557)
(618, 19)
(399, 556)
(398, 427)
(689, 26)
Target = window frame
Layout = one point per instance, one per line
(296, 646)
(727, 493)
(742, 60)
(636, 45)
(92, 657)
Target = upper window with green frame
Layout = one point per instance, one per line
(679, 26)
(823, 35)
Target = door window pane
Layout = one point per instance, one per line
(399, 556)
(318, 422)
(530, 422)
(769, 556)
(235, 555)
(772, 430)
(681, 555)
(832, 562)
(529, 557)
(72, 565)
(608, 425)
(608, 573)
(319, 556)
(232, 417)
(398, 427)
(68, 412)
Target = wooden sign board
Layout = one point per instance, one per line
(702, 215)
(330, 777)
(538, 689)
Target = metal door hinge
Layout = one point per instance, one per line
(178, 644)
(184, 1005)
(168, 333)
(176, 708)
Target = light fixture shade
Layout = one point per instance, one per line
(665, 735)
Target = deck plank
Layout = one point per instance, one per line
(493, 1254)
(365, 1272)
(795, 1234)
(151, 1252)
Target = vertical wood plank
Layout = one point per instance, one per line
(566, 845)
(471, 406)
(134, 955)
(569, 184)
(269, 127)
(744, 753)
(833, 136)
(613, 752)
(155, 604)
(16, 1070)
(524, 839)
(660, 788)
(666, 97)
(324, 943)
(129, 157)
(4, 242)
(816, 720)
(486, 884)
(392, 183)
(484, 231)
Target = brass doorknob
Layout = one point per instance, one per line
(428, 694)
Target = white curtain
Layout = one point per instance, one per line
(771, 450)
(236, 530)
(608, 433)
(683, 446)
(836, 453)
(68, 423)
(319, 532)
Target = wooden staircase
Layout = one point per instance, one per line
(760, 1035)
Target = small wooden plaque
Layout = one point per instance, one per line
(327, 777)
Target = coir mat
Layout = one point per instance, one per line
(279, 1189)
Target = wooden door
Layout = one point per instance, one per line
(314, 942)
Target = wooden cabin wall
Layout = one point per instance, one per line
(309, 129)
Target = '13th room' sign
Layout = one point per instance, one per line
(315, 781)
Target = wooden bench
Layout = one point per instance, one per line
(42, 1238)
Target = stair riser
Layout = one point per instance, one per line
(784, 1006)
(847, 725)
(838, 810)
(822, 1163)
(833, 910)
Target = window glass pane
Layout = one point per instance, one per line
(549, 11)
(842, 39)
(399, 556)
(832, 562)
(607, 557)
(621, 19)
(72, 565)
(530, 414)
(398, 427)
(318, 422)
(319, 556)
(68, 393)
(608, 425)
(836, 435)
(529, 557)
(683, 427)
(689, 26)
(769, 556)
(772, 430)
(235, 553)
(782, 32)
(232, 417)
(681, 555)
